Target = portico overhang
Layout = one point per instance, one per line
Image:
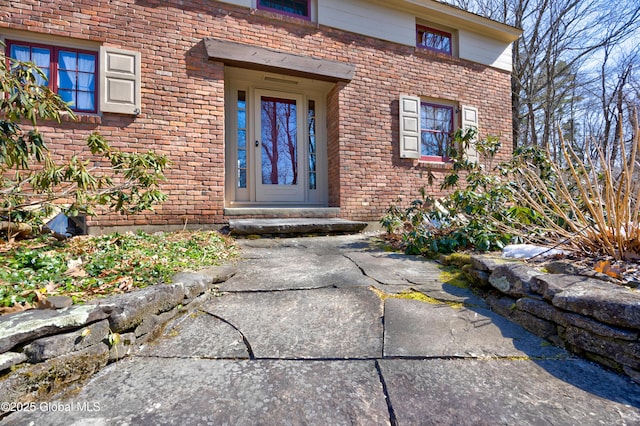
(259, 58)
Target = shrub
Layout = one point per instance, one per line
(470, 217)
(590, 206)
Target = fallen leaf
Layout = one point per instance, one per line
(15, 308)
(600, 265)
(37, 246)
(74, 263)
(50, 287)
(76, 273)
(604, 267)
(39, 296)
(125, 284)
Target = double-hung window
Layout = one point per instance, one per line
(298, 8)
(436, 131)
(71, 73)
(435, 40)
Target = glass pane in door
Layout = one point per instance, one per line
(279, 141)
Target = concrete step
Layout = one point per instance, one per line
(294, 226)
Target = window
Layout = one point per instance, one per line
(432, 39)
(299, 8)
(70, 73)
(436, 130)
(242, 139)
(426, 128)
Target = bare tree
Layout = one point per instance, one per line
(560, 38)
(270, 142)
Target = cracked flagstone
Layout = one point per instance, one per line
(305, 271)
(508, 392)
(395, 273)
(418, 329)
(322, 323)
(155, 391)
(197, 335)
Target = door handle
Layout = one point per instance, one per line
(257, 144)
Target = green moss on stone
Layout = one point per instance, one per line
(415, 295)
(457, 259)
(454, 276)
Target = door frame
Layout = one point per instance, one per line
(256, 82)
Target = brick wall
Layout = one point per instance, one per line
(183, 98)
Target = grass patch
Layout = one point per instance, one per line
(415, 295)
(87, 267)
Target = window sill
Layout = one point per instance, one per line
(283, 13)
(81, 117)
(421, 51)
(435, 159)
(301, 20)
(434, 51)
(435, 164)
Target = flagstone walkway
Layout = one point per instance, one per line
(301, 335)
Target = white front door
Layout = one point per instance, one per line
(280, 146)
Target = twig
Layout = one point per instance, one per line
(566, 240)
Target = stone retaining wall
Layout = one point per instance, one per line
(42, 351)
(588, 315)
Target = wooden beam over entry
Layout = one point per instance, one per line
(260, 58)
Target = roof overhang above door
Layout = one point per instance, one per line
(263, 59)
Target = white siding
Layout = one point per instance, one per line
(363, 17)
(392, 24)
(474, 47)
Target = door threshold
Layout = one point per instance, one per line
(291, 227)
(276, 212)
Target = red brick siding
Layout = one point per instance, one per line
(333, 143)
(183, 98)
